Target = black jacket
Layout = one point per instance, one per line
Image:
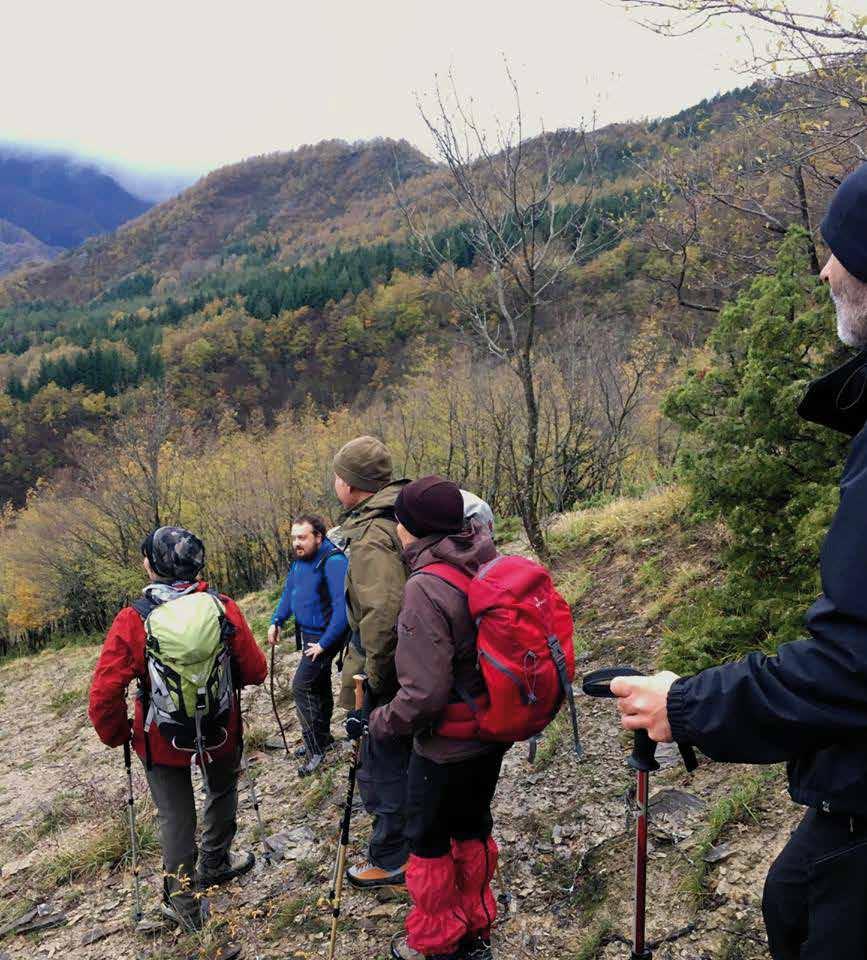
(808, 704)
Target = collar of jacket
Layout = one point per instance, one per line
(839, 399)
(466, 550)
(412, 554)
(370, 508)
(325, 547)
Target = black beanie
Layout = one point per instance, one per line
(174, 553)
(430, 505)
(845, 225)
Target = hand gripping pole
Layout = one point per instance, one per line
(643, 762)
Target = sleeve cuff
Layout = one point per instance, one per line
(677, 710)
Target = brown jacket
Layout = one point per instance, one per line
(436, 647)
(374, 587)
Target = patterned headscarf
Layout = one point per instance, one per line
(174, 553)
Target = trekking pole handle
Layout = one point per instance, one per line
(127, 757)
(359, 679)
(598, 683)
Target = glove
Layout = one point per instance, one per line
(356, 724)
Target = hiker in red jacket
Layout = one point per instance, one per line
(172, 559)
(451, 781)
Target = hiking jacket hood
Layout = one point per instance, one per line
(808, 704)
(314, 595)
(436, 648)
(122, 660)
(374, 587)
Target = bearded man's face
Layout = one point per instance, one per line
(850, 299)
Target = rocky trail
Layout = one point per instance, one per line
(565, 829)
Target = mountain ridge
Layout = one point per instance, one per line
(59, 200)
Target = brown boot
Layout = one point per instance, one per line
(367, 876)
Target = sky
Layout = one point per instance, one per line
(185, 86)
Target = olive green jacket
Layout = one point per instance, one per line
(374, 591)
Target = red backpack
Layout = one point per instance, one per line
(526, 652)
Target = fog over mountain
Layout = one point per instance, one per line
(51, 201)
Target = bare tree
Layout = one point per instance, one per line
(523, 206)
(804, 130)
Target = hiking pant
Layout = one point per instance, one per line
(453, 855)
(314, 701)
(816, 891)
(172, 790)
(382, 784)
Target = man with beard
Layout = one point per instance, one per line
(314, 595)
(808, 704)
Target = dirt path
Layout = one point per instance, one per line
(565, 829)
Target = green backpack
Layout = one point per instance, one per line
(189, 664)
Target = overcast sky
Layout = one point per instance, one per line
(193, 84)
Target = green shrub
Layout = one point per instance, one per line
(753, 463)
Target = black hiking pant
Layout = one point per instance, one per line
(314, 700)
(448, 801)
(382, 783)
(816, 891)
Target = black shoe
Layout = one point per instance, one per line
(300, 752)
(312, 765)
(233, 866)
(476, 948)
(189, 920)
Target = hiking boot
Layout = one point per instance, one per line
(476, 948)
(233, 866)
(368, 876)
(312, 765)
(189, 919)
(300, 752)
(401, 950)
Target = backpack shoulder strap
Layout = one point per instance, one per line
(143, 607)
(227, 628)
(451, 575)
(331, 553)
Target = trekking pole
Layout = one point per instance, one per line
(127, 759)
(643, 762)
(251, 786)
(343, 842)
(274, 701)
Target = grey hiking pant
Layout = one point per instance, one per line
(172, 790)
(382, 775)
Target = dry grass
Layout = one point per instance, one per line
(107, 845)
(685, 577)
(624, 518)
(574, 585)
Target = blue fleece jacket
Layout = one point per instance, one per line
(307, 585)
